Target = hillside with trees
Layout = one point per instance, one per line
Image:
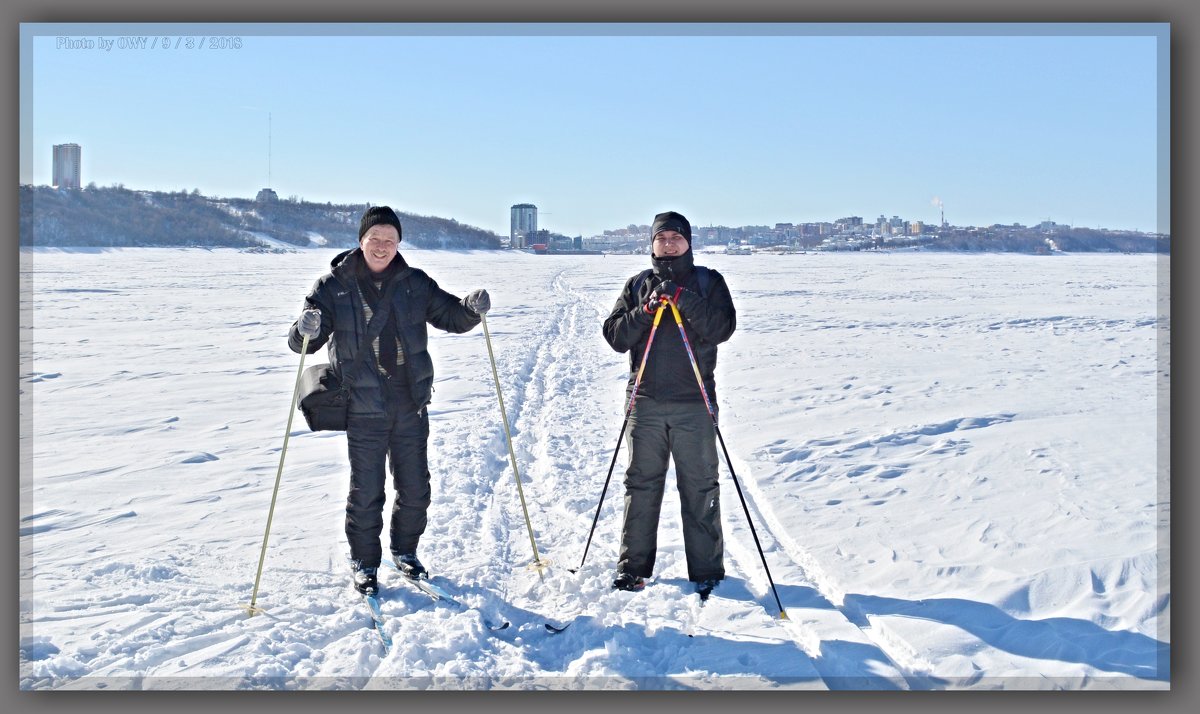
(119, 217)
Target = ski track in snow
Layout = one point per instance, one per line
(138, 552)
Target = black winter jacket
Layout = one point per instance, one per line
(708, 321)
(417, 300)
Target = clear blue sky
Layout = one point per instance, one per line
(601, 126)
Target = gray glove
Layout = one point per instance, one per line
(478, 300)
(309, 324)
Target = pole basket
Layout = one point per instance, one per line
(538, 565)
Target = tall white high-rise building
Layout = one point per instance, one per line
(522, 225)
(66, 166)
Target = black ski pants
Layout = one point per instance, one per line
(682, 431)
(401, 439)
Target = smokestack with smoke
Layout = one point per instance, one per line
(941, 207)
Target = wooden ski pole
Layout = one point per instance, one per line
(538, 563)
(252, 607)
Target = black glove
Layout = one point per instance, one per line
(667, 290)
(653, 302)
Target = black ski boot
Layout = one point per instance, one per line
(704, 588)
(366, 580)
(632, 583)
(410, 566)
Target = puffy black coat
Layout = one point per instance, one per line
(416, 302)
(708, 320)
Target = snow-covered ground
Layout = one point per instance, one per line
(954, 464)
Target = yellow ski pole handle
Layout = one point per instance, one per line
(642, 367)
(692, 359)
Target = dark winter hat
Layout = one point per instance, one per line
(672, 221)
(379, 215)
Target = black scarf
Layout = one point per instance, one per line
(374, 297)
(675, 269)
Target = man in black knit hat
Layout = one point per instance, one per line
(669, 418)
(390, 387)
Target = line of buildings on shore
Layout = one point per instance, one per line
(849, 233)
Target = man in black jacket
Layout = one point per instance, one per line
(389, 388)
(669, 418)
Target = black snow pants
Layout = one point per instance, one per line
(401, 437)
(684, 432)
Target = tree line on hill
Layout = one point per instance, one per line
(115, 216)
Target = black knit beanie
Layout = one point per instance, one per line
(672, 221)
(379, 215)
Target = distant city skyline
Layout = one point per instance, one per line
(523, 229)
(605, 125)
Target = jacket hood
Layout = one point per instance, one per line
(338, 258)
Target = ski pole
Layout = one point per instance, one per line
(637, 381)
(512, 457)
(728, 462)
(253, 609)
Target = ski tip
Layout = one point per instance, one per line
(497, 627)
(550, 627)
(572, 571)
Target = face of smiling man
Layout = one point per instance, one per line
(669, 244)
(379, 246)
